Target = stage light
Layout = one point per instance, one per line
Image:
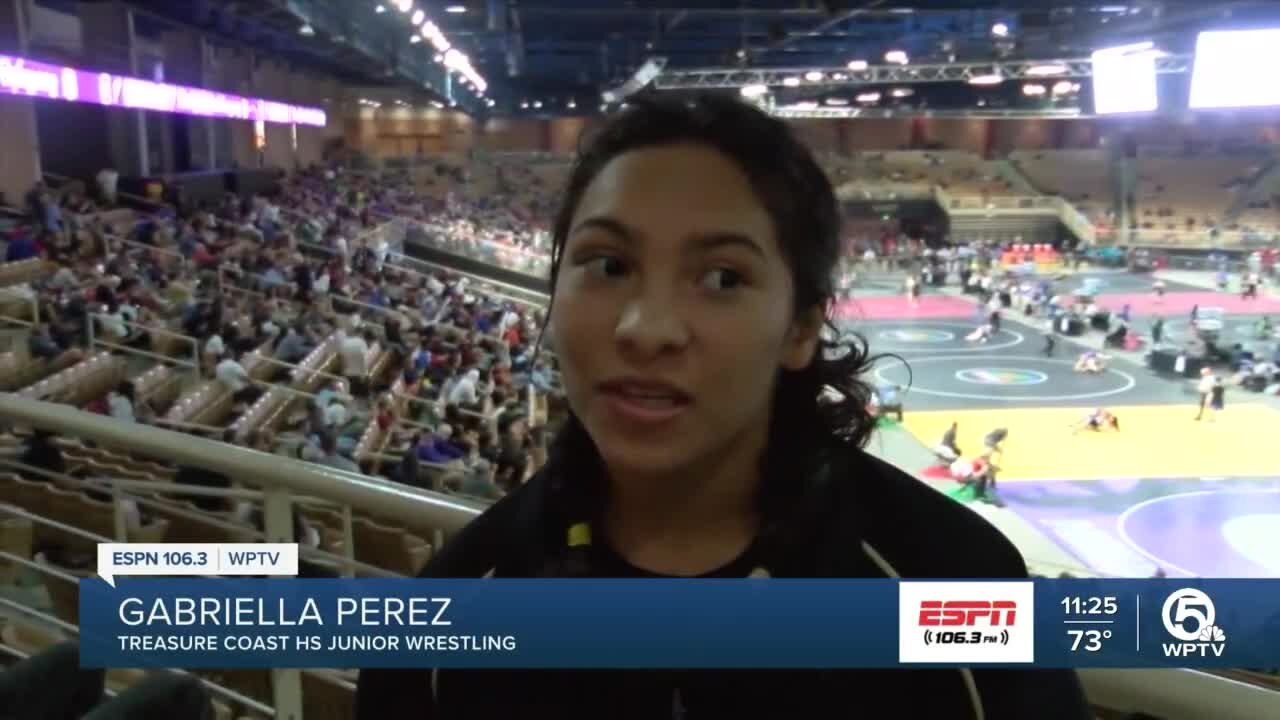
(897, 57)
(857, 65)
(572, 104)
(537, 104)
(839, 76)
(992, 78)
(1033, 90)
(1000, 30)
(1062, 87)
(418, 17)
(791, 82)
(1047, 70)
(524, 105)
(456, 9)
(870, 97)
(813, 76)
(380, 9)
(902, 92)
(404, 5)
(837, 101)
(753, 91)
(306, 30)
(414, 39)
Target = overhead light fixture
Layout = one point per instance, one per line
(306, 30)
(489, 102)
(791, 81)
(438, 58)
(871, 97)
(1000, 30)
(432, 32)
(537, 104)
(456, 9)
(404, 5)
(1062, 87)
(813, 76)
(839, 76)
(857, 65)
(897, 57)
(572, 103)
(753, 91)
(524, 105)
(1033, 90)
(380, 9)
(902, 92)
(805, 105)
(837, 101)
(415, 39)
(991, 78)
(418, 17)
(1047, 70)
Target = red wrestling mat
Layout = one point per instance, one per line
(1180, 303)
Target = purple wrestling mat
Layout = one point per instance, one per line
(1218, 527)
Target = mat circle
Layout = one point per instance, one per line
(884, 340)
(1001, 376)
(884, 374)
(1147, 525)
(915, 336)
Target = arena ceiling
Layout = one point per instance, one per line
(558, 56)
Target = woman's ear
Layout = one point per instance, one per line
(802, 338)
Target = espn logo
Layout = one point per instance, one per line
(965, 613)
(966, 622)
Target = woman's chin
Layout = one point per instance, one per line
(630, 457)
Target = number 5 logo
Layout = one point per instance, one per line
(1187, 606)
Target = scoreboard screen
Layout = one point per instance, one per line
(1234, 69)
(1124, 79)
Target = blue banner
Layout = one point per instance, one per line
(747, 623)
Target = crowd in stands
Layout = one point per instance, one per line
(298, 331)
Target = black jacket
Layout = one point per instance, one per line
(858, 517)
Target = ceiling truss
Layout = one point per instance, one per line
(714, 78)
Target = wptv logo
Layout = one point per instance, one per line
(966, 622)
(1189, 615)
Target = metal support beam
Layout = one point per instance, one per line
(826, 113)
(726, 77)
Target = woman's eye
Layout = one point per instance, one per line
(605, 266)
(721, 279)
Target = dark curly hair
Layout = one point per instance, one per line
(825, 403)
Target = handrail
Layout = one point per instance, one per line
(379, 497)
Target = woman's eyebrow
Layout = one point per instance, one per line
(697, 242)
(607, 224)
(715, 240)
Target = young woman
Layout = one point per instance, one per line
(692, 273)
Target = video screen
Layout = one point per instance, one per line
(1231, 67)
(1124, 79)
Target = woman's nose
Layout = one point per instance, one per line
(651, 323)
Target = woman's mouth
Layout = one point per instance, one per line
(644, 402)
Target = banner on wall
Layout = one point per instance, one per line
(31, 78)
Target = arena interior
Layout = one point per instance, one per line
(1071, 284)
